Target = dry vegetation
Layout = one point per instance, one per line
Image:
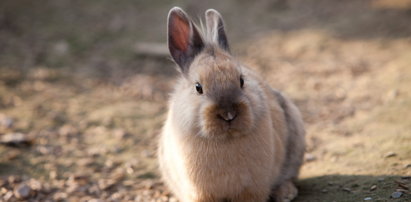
(83, 111)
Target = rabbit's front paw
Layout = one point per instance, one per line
(285, 192)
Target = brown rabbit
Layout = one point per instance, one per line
(228, 136)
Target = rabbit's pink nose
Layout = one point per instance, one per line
(227, 116)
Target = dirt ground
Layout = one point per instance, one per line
(88, 109)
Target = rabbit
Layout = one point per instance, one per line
(228, 136)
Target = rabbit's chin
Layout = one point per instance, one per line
(215, 128)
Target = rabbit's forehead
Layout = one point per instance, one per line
(216, 69)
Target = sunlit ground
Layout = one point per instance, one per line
(89, 108)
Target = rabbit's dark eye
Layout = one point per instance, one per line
(199, 88)
(241, 81)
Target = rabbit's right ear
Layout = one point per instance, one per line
(215, 28)
(184, 40)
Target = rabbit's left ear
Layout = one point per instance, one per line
(184, 40)
(215, 28)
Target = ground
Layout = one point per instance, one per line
(89, 108)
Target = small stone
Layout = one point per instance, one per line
(117, 175)
(72, 188)
(44, 150)
(381, 179)
(110, 164)
(15, 140)
(35, 185)
(53, 174)
(94, 189)
(85, 162)
(407, 166)
(78, 180)
(373, 187)
(367, 199)
(172, 199)
(346, 189)
(324, 190)
(22, 191)
(105, 184)
(60, 196)
(5, 121)
(310, 157)
(116, 149)
(61, 48)
(8, 196)
(13, 179)
(95, 200)
(396, 194)
(390, 154)
(120, 134)
(392, 95)
(68, 130)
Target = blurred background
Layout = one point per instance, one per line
(84, 87)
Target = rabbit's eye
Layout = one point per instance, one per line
(199, 88)
(241, 81)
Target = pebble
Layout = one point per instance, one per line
(8, 196)
(68, 130)
(6, 121)
(95, 200)
(105, 184)
(35, 185)
(172, 199)
(310, 157)
(15, 139)
(346, 189)
(22, 191)
(373, 187)
(390, 154)
(13, 179)
(60, 196)
(120, 134)
(367, 199)
(396, 194)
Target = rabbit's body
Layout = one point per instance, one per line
(227, 143)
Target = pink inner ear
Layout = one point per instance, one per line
(179, 32)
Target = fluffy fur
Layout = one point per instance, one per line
(254, 156)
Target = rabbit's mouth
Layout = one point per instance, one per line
(233, 122)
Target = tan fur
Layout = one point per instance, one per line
(203, 158)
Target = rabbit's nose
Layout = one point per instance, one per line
(227, 116)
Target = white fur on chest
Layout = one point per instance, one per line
(222, 168)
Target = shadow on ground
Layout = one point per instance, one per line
(348, 188)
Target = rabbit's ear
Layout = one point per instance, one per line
(184, 40)
(215, 27)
